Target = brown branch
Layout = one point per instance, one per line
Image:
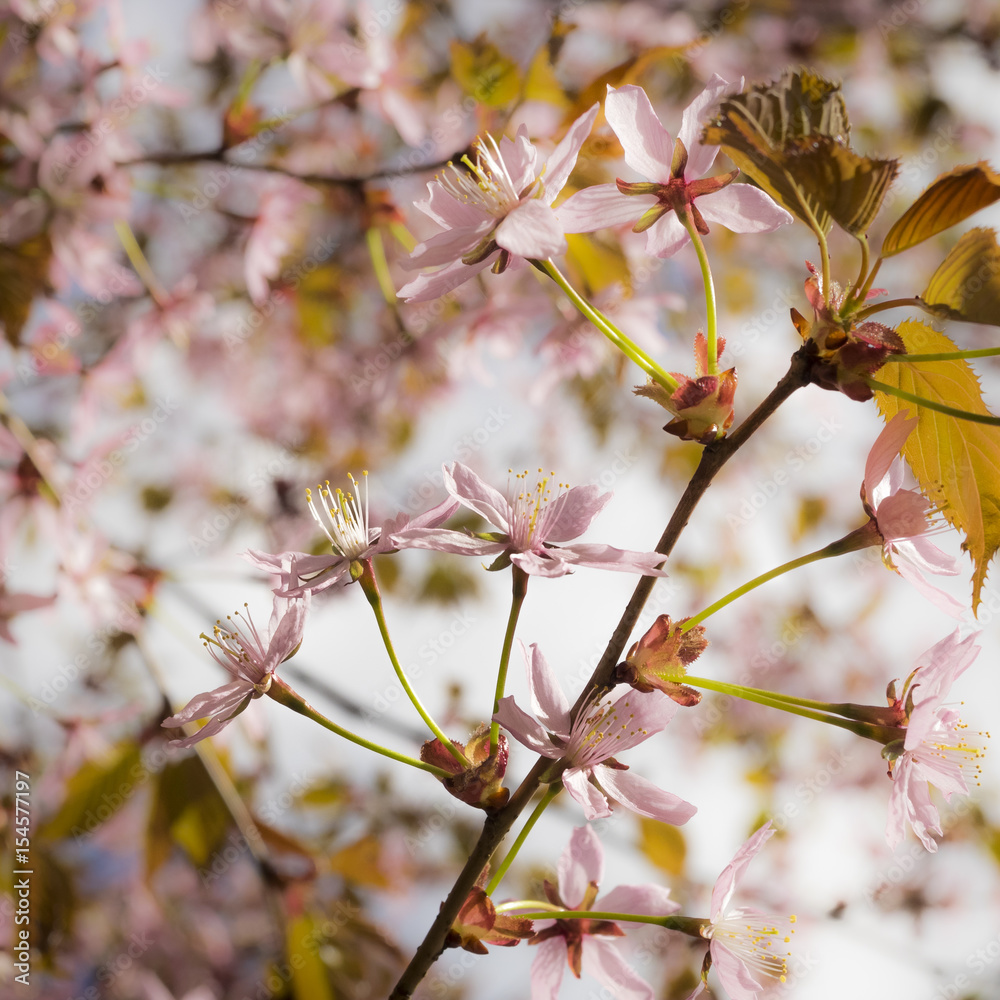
(496, 826)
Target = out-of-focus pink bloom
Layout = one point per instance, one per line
(344, 519)
(674, 186)
(529, 524)
(12, 605)
(900, 516)
(603, 727)
(937, 750)
(496, 212)
(279, 221)
(251, 658)
(585, 943)
(745, 945)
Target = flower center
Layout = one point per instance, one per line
(756, 939)
(487, 183)
(960, 749)
(343, 517)
(241, 645)
(598, 730)
(527, 507)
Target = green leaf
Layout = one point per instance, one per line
(948, 200)
(97, 791)
(967, 284)
(791, 138)
(957, 462)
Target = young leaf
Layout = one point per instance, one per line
(791, 138)
(663, 844)
(954, 196)
(957, 462)
(310, 979)
(24, 271)
(483, 71)
(967, 284)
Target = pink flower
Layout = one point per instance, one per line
(279, 222)
(529, 525)
(584, 942)
(674, 187)
(745, 944)
(497, 211)
(900, 516)
(251, 658)
(936, 749)
(345, 520)
(603, 727)
(12, 605)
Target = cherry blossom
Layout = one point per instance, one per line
(674, 187)
(345, 520)
(937, 749)
(900, 516)
(602, 728)
(251, 658)
(530, 523)
(745, 945)
(589, 943)
(497, 211)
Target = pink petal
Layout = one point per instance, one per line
(560, 164)
(548, 563)
(944, 602)
(577, 784)
(734, 974)
(580, 864)
(902, 515)
(447, 211)
(430, 286)
(570, 514)
(446, 540)
(666, 236)
(643, 797)
(524, 728)
(647, 144)
(886, 449)
(910, 801)
(603, 960)
(548, 702)
(532, 231)
(608, 557)
(548, 968)
(449, 246)
(601, 206)
(743, 209)
(726, 884)
(649, 899)
(287, 635)
(520, 158)
(945, 662)
(701, 158)
(468, 489)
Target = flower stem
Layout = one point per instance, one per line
(711, 318)
(519, 588)
(636, 918)
(141, 265)
(619, 339)
(370, 586)
(986, 352)
(858, 539)
(877, 307)
(550, 793)
(284, 695)
(798, 706)
(930, 404)
(863, 272)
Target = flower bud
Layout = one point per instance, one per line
(480, 782)
(661, 657)
(479, 924)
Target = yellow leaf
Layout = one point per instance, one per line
(360, 862)
(967, 284)
(597, 264)
(662, 844)
(310, 980)
(957, 462)
(24, 273)
(97, 791)
(483, 71)
(542, 84)
(952, 197)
